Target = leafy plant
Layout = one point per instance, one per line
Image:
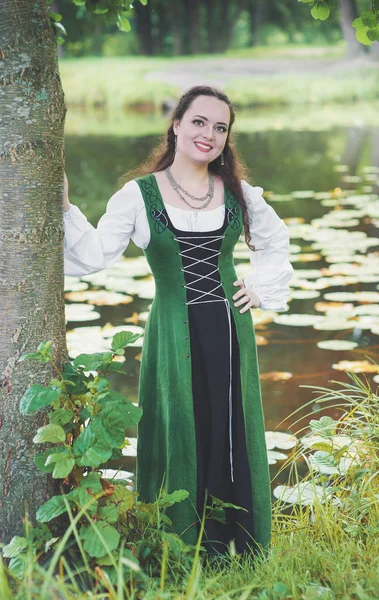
(87, 426)
(366, 25)
(115, 12)
(342, 456)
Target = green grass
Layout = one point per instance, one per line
(326, 551)
(345, 87)
(293, 51)
(122, 84)
(308, 561)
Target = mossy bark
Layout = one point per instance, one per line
(32, 114)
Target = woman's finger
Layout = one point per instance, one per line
(240, 293)
(243, 300)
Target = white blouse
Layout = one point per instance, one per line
(88, 249)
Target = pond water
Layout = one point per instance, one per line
(324, 184)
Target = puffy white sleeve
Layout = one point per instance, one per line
(271, 270)
(88, 249)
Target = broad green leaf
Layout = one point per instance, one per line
(49, 433)
(368, 19)
(110, 514)
(320, 11)
(131, 414)
(123, 498)
(38, 396)
(55, 16)
(170, 499)
(17, 566)
(91, 447)
(116, 367)
(123, 23)
(29, 355)
(322, 446)
(90, 362)
(85, 500)
(40, 459)
(52, 508)
(63, 465)
(123, 338)
(98, 543)
(358, 22)
(61, 416)
(16, 546)
(373, 34)
(361, 35)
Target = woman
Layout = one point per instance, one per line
(202, 427)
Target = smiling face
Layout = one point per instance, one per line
(203, 129)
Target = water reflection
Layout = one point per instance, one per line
(334, 245)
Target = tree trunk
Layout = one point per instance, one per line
(177, 28)
(144, 28)
(191, 11)
(348, 12)
(222, 18)
(32, 114)
(255, 10)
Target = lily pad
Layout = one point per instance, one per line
(303, 194)
(356, 366)
(337, 345)
(304, 294)
(297, 320)
(305, 493)
(273, 456)
(81, 312)
(278, 439)
(333, 324)
(99, 297)
(73, 284)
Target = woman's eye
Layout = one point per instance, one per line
(198, 121)
(221, 128)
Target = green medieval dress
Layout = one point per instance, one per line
(202, 428)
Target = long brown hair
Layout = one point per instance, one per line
(233, 170)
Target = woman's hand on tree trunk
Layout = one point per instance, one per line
(66, 202)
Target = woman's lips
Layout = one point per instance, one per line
(203, 147)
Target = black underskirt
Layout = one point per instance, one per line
(209, 345)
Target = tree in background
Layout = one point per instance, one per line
(187, 27)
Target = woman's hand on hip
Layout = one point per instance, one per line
(246, 297)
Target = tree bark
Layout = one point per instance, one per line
(177, 28)
(255, 9)
(348, 12)
(32, 114)
(222, 18)
(191, 11)
(144, 28)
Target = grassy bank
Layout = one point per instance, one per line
(325, 548)
(126, 84)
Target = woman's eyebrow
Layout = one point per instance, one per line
(205, 119)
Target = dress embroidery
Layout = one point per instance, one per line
(152, 198)
(232, 215)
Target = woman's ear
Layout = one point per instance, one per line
(175, 126)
